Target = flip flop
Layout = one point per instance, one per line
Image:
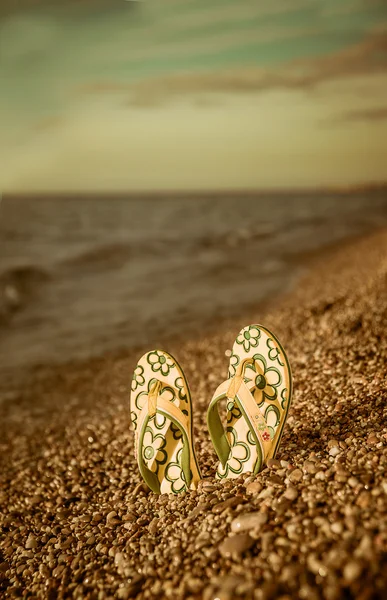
(161, 414)
(258, 393)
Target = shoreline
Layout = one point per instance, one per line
(107, 289)
(14, 380)
(318, 528)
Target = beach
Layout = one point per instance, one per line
(77, 521)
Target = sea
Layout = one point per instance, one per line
(81, 276)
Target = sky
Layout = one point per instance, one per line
(122, 95)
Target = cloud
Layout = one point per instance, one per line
(24, 38)
(367, 57)
(203, 45)
(352, 7)
(232, 13)
(47, 123)
(368, 114)
(9, 7)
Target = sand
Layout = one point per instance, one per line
(77, 522)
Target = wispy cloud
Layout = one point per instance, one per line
(368, 114)
(352, 7)
(366, 57)
(233, 13)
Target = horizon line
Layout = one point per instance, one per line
(339, 188)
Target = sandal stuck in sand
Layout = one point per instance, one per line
(161, 413)
(258, 394)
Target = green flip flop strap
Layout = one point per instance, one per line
(253, 416)
(215, 427)
(180, 420)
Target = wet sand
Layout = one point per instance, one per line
(78, 523)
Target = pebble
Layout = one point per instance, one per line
(37, 499)
(123, 593)
(44, 570)
(31, 542)
(273, 463)
(112, 519)
(67, 543)
(154, 526)
(334, 451)
(310, 467)
(119, 559)
(248, 521)
(62, 514)
(85, 518)
(224, 588)
(352, 571)
(58, 571)
(353, 482)
(208, 487)
(230, 503)
(333, 444)
(129, 517)
(291, 493)
(111, 515)
(201, 507)
(275, 480)
(266, 493)
(337, 528)
(363, 499)
(236, 544)
(295, 476)
(255, 487)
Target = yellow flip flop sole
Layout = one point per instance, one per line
(258, 395)
(161, 414)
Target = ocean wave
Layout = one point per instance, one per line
(106, 256)
(238, 237)
(115, 255)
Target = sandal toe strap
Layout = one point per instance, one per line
(156, 403)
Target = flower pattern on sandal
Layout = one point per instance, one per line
(138, 377)
(176, 431)
(234, 362)
(174, 474)
(158, 420)
(267, 379)
(133, 418)
(159, 362)
(153, 450)
(179, 385)
(249, 337)
(239, 453)
(233, 411)
(284, 398)
(274, 352)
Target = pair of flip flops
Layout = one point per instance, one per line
(257, 394)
